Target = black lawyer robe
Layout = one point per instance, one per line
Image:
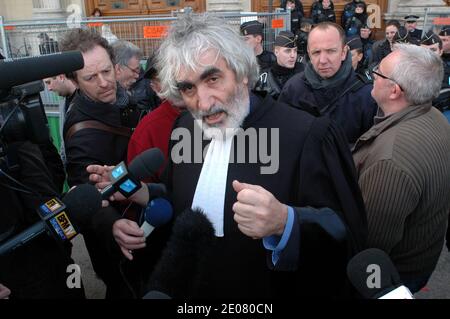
(316, 170)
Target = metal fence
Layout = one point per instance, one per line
(31, 38)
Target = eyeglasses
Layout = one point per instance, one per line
(136, 71)
(376, 69)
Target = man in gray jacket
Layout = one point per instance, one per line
(403, 164)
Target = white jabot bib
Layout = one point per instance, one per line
(211, 186)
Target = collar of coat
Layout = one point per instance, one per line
(384, 123)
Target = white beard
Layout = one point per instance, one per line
(236, 108)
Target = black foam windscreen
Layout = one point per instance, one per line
(179, 271)
(156, 295)
(146, 164)
(82, 203)
(372, 261)
(20, 71)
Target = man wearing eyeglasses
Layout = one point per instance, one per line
(130, 76)
(403, 164)
(127, 66)
(432, 42)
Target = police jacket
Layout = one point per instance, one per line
(273, 79)
(349, 11)
(350, 104)
(319, 14)
(266, 59)
(442, 102)
(379, 51)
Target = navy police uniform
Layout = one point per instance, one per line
(266, 59)
(416, 33)
(272, 80)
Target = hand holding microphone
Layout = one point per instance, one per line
(129, 236)
(120, 182)
(62, 220)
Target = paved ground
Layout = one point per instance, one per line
(437, 288)
(94, 287)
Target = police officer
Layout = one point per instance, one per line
(329, 85)
(411, 24)
(323, 10)
(253, 34)
(434, 43)
(365, 34)
(297, 13)
(444, 35)
(302, 37)
(354, 17)
(355, 46)
(357, 20)
(272, 80)
(403, 36)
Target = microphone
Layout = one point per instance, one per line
(16, 72)
(79, 204)
(374, 276)
(156, 295)
(127, 181)
(178, 272)
(156, 190)
(157, 213)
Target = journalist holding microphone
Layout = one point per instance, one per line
(282, 231)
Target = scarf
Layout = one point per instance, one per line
(317, 82)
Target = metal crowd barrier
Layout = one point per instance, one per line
(31, 38)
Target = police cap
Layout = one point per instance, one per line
(286, 39)
(411, 18)
(430, 38)
(354, 42)
(445, 31)
(252, 28)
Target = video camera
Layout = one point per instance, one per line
(22, 114)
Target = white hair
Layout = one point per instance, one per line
(193, 35)
(419, 72)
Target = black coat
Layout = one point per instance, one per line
(353, 112)
(319, 14)
(36, 270)
(380, 50)
(92, 146)
(266, 59)
(315, 170)
(273, 80)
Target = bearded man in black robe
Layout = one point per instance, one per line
(277, 184)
